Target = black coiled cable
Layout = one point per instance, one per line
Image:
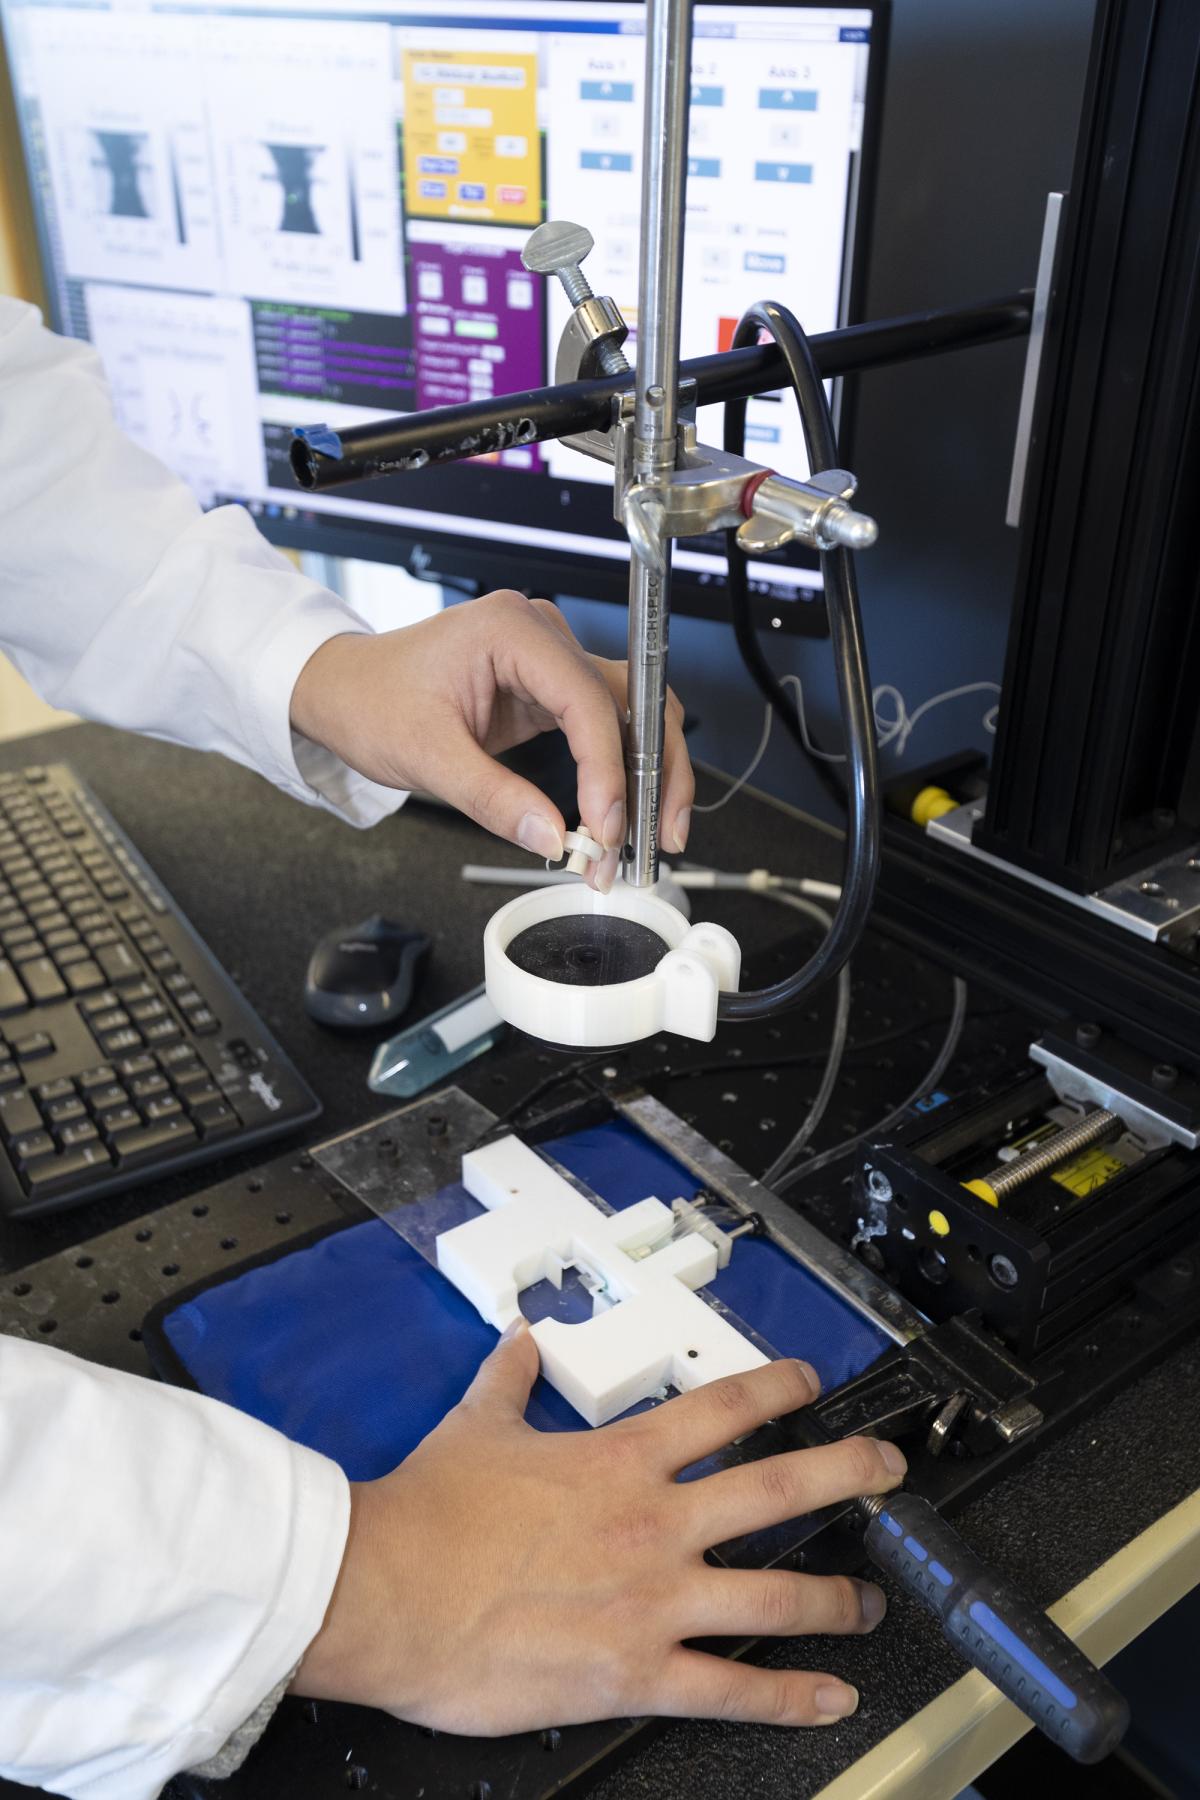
(861, 797)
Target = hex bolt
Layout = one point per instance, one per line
(879, 1185)
(558, 248)
(1003, 1271)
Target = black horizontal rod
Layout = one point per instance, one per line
(451, 433)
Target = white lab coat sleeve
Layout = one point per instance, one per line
(121, 600)
(164, 1563)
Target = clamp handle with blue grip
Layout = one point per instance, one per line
(998, 1630)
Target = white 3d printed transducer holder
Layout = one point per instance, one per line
(679, 994)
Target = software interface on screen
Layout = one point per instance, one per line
(286, 213)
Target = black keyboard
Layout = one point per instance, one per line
(126, 1052)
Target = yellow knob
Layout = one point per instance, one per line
(932, 803)
(939, 1224)
(983, 1190)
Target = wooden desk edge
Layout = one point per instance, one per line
(941, 1749)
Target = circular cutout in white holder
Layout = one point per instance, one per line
(677, 993)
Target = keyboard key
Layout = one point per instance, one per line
(119, 964)
(98, 1077)
(63, 1089)
(113, 890)
(107, 934)
(198, 1093)
(116, 1043)
(13, 997)
(47, 1178)
(145, 1012)
(18, 1114)
(32, 1146)
(75, 893)
(112, 1020)
(26, 953)
(140, 990)
(102, 1099)
(204, 1022)
(162, 962)
(99, 1003)
(130, 1066)
(147, 1087)
(180, 1057)
(10, 1076)
(164, 1107)
(188, 999)
(152, 1141)
(163, 1031)
(53, 919)
(176, 983)
(43, 980)
(130, 913)
(38, 1043)
(62, 938)
(81, 1132)
(65, 1112)
(83, 976)
(17, 934)
(215, 1119)
(69, 956)
(119, 1118)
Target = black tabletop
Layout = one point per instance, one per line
(262, 878)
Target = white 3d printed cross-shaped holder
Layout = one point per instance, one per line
(678, 994)
(648, 1331)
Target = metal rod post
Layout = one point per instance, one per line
(660, 285)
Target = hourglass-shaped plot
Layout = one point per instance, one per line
(122, 163)
(294, 173)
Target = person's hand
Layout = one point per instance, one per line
(430, 707)
(504, 1579)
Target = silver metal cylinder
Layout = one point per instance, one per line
(660, 280)
(1096, 1128)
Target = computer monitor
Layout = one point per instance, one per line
(271, 213)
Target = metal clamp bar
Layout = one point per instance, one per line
(323, 458)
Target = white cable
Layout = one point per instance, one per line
(896, 729)
(900, 727)
(747, 772)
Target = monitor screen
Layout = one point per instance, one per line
(289, 212)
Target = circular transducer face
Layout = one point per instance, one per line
(587, 950)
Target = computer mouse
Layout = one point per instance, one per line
(364, 975)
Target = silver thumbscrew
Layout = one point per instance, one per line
(558, 248)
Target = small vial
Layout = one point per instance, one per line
(428, 1052)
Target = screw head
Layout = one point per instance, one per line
(879, 1185)
(1003, 1271)
(1164, 1075)
(557, 245)
(1087, 1035)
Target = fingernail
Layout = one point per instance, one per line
(874, 1603)
(536, 833)
(810, 1375)
(683, 824)
(893, 1458)
(836, 1700)
(614, 826)
(606, 870)
(517, 1329)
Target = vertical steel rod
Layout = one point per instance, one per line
(664, 182)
